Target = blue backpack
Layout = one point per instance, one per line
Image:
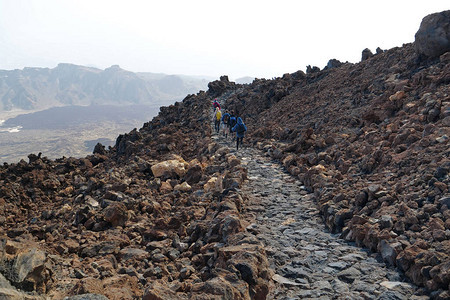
(240, 129)
(233, 121)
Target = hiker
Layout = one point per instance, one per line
(216, 104)
(240, 130)
(225, 121)
(231, 123)
(217, 118)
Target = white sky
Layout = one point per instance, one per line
(204, 37)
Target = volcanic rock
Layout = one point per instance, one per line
(333, 63)
(23, 266)
(433, 37)
(366, 54)
(116, 214)
(174, 166)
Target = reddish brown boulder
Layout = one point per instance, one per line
(159, 291)
(116, 214)
(88, 286)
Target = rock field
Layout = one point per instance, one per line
(306, 260)
(340, 192)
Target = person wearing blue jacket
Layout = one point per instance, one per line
(232, 123)
(240, 130)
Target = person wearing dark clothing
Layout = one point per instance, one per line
(240, 130)
(216, 104)
(232, 123)
(225, 121)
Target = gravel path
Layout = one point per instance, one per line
(307, 261)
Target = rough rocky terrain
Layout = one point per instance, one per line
(371, 142)
(305, 260)
(351, 156)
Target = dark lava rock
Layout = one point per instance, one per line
(433, 37)
(366, 54)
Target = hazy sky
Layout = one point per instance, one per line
(195, 37)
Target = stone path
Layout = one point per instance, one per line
(307, 261)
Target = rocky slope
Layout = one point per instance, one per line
(371, 141)
(308, 262)
(158, 216)
(162, 215)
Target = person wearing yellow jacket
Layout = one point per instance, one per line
(217, 119)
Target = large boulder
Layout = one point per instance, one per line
(170, 167)
(218, 87)
(8, 292)
(433, 36)
(215, 184)
(366, 54)
(116, 214)
(25, 267)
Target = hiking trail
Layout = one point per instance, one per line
(307, 261)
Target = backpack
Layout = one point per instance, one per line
(240, 129)
(218, 115)
(226, 118)
(232, 121)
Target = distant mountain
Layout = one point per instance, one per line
(68, 84)
(245, 80)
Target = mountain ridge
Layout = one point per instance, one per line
(69, 84)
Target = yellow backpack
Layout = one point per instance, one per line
(218, 115)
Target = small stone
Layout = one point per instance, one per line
(62, 249)
(349, 275)
(338, 265)
(339, 286)
(252, 228)
(394, 284)
(116, 214)
(11, 247)
(165, 187)
(173, 254)
(373, 188)
(186, 272)
(323, 285)
(445, 201)
(91, 201)
(362, 286)
(184, 187)
(389, 251)
(291, 272)
(159, 257)
(133, 253)
(79, 274)
(386, 221)
(282, 280)
(352, 257)
(442, 139)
